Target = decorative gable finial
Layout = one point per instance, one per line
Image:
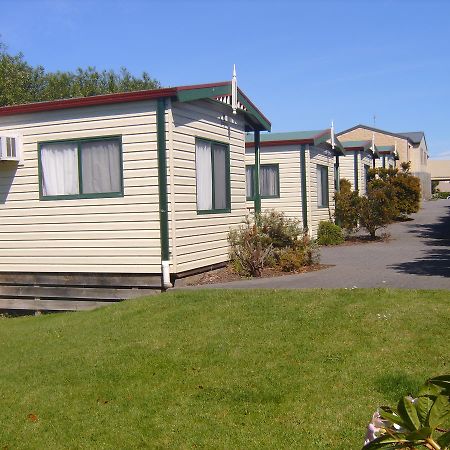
(332, 135)
(234, 101)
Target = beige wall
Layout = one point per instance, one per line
(200, 240)
(288, 159)
(290, 201)
(439, 168)
(407, 152)
(347, 168)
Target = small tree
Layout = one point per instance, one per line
(377, 209)
(347, 205)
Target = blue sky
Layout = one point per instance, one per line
(302, 63)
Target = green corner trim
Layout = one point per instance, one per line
(355, 170)
(162, 178)
(256, 189)
(303, 186)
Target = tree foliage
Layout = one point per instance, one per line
(347, 205)
(21, 83)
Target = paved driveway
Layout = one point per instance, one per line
(416, 257)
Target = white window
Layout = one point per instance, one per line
(10, 148)
(213, 176)
(81, 169)
(322, 186)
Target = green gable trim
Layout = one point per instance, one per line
(262, 122)
(288, 136)
(189, 95)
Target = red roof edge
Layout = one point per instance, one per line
(79, 102)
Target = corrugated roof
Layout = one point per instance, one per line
(414, 136)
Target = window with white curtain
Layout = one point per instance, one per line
(269, 181)
(322, 186)
(212, 175)
(81, 169)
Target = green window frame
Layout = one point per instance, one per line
(323, 191)
(211, 180)
(263, 186)
(79, 146)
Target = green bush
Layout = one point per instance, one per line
(329, 234)
(270, 239)
(377, 209)
(441, 195)
(347, 207)
(249, 249)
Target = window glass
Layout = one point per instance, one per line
(268, 181)
(322, 186)
(81, 168)
(100, 166)
(59, 167)
(212, 175)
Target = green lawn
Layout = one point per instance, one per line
(218, 369)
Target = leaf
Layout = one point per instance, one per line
(387, 414)
(444, 440)
(408, 413)
(396, 440)
(423, 405)
(441, 381)
(440, 411)
(418, 435)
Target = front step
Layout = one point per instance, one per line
(72, 292)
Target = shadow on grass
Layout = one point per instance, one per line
(436, 260)
(396, 385)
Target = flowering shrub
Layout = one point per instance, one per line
(421, 422)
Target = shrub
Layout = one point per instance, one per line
(347, 207)
(407, 193)
(267, 239)
(329, 234)
(303, 253)
(249, 249)
(377, 209)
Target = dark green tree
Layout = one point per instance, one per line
(22, 83)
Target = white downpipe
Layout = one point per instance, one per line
(166, 274)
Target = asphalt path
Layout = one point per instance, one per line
(416, 256)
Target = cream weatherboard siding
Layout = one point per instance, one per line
(290, 200)
(105, 235)
(200, 240)
(346, 167)
(288, 160)
(314, 157)
(389, 161)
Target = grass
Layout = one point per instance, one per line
(218, 369)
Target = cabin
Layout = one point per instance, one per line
(410, 147)
(354, 166)
(387, 157)
(113, 196)
(296, 174)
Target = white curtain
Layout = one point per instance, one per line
(320, 194)
(249, 181)
(220, 176)
(269, 181)
(100, 166)
(203, 166)
(59, 163)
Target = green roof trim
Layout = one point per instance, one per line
(287, 136)
(211, 92)
(189, 95)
